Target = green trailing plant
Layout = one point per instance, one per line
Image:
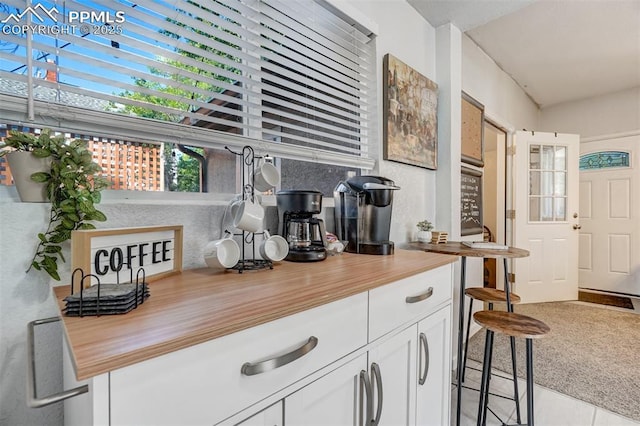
(424, 225)
(73, 185)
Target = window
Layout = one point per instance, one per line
(604, 160)
(547, 183)
(293, 79)
(104, 155)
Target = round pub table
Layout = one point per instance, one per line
(458, 249)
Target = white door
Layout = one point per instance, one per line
(434, 372)
(546, 219)
(610, 215)
(333, 399)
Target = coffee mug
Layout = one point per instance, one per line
(223, 253)
(247, 215)
(274, 247)
(265, 177)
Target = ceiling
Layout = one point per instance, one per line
(556, 50)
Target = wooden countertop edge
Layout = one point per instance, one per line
(90, 358)
(456, 248)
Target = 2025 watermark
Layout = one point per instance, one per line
(98, 22)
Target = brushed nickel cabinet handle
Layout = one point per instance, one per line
(365, 391)
(375, 371)
(420, 297)
(32, 399)
(251, 369)
(424, 343)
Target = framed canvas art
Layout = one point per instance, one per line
(410, 116)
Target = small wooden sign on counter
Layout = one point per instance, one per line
(116, 255)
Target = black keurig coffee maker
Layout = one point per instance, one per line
(363, 214)
(305, 233)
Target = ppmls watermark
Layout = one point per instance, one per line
(83, 22)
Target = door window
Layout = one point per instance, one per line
(604, 160)
(547, 183)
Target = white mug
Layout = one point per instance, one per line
(274, 247)
(223, 253)
(265, 177)
(247, 215)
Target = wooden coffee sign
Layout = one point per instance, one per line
(116, 255)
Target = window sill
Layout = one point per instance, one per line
(9, 194)
(164, 198)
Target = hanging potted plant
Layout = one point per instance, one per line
(72, 184)
(29, 154)
(424, 231)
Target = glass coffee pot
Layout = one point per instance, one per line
(305, 233)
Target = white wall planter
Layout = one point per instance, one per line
(23, 164)
(424, 236)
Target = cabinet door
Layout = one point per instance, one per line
(397, 362)
(270, 416)
(333, 399)
(434, 372)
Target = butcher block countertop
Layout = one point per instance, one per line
(198, 305)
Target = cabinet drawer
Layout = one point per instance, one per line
(204, 384)
(408, 300)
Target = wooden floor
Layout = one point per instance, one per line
(605, 299)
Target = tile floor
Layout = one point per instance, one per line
(551, 408)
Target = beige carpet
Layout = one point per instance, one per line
(592, 354)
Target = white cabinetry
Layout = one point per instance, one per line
(415, 375)
(395, 394)
(407, 373)
(206, 383)
(415, 362)
(270, 416)
(434, 372)
(356, 359)
(335, 399)
(408, 369)
(407, 300)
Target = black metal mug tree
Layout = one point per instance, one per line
(248, 191)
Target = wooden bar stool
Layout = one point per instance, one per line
(513, 325)
(491, 296)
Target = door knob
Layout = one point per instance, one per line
(577, 226)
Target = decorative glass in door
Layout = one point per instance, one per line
(547, 183)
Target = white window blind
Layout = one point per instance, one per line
(291, 77)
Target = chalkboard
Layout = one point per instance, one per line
(470, 202)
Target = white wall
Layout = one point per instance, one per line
(490, 181)
(608, 114)
(503, 100)
(449, 69)
(23, 298)
(407, 36)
